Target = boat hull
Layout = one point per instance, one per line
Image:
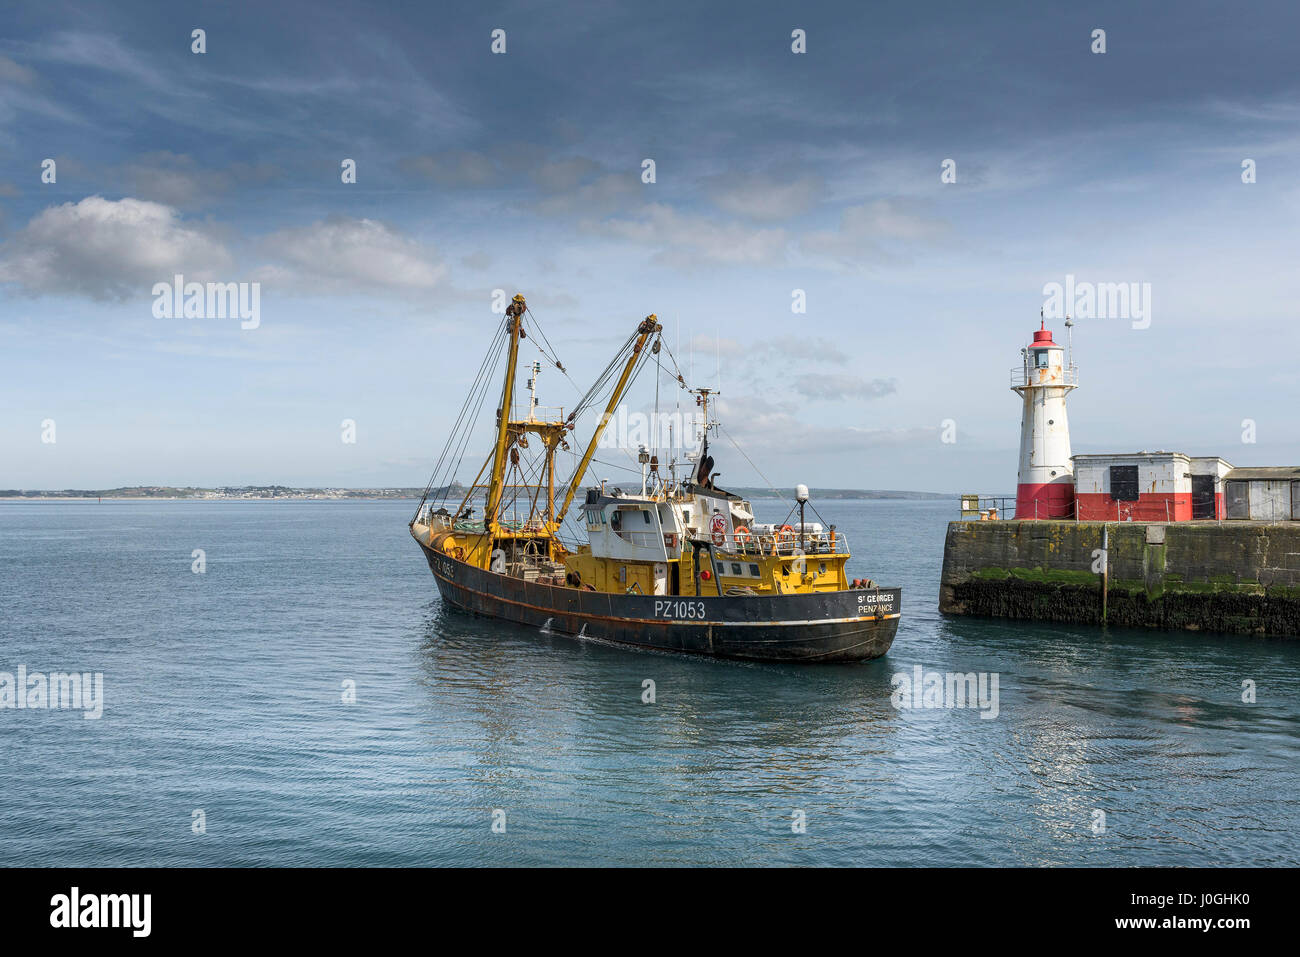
(851, 625)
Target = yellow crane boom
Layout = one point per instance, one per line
(649, 326)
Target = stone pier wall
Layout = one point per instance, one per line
(1231, 577)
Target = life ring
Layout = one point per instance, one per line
(785, 534)
(743, 534)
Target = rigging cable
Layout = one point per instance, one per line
(493, 349)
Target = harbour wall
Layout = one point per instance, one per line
(1239, 576)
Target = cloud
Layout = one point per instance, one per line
(838, 386)
(108, 249)
(349, 255)
(561, 187)
(756, 353)
(885, 219)
(687, 239)
(455, 168)
(871, 232)
(566, 173)
(101, 51)
(718, 345)
(178, 180)
(763, 197)
(778, 431)
(11, 72)
(600, 196)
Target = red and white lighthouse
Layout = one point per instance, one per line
(1045, 482)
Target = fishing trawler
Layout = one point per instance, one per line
(676, 564)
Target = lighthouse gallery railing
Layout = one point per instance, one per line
(1022, 377)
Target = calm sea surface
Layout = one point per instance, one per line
(223, 693)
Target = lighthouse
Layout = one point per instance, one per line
(1045, 482)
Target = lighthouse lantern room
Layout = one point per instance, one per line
(1045, 482)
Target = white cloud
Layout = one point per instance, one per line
(763, 197)
(686, 239)
(178, 180)
(837, 386)
(455, 168)
(755, 355)
(598, 197)
(872, 232)
(15, 72)
(349, 255)
(778, 431)
(566, 173)
(108, 249)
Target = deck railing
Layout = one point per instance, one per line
(545, 413)
(786, 543)
(1022, 376)
(987, 506)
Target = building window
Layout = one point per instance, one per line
(1041, 358)
(1124, 483)
(753, 570)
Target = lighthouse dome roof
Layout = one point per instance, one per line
(1043, 340)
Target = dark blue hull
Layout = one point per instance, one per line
(851, 625)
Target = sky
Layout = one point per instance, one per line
(922, 173)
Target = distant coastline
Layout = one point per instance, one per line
(223, 493)
(290, 493)
(853, 493)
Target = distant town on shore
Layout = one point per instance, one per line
(222, 493)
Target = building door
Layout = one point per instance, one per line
(1270, 501)
(1203, 496)
(1236, 499)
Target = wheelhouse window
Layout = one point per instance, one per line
(622, 522)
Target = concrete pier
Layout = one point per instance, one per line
(1240, 576)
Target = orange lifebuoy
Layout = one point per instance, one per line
(782, 536)
(743, 534)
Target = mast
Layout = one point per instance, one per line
(648, 327)
(705, 424)
(496, 486)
